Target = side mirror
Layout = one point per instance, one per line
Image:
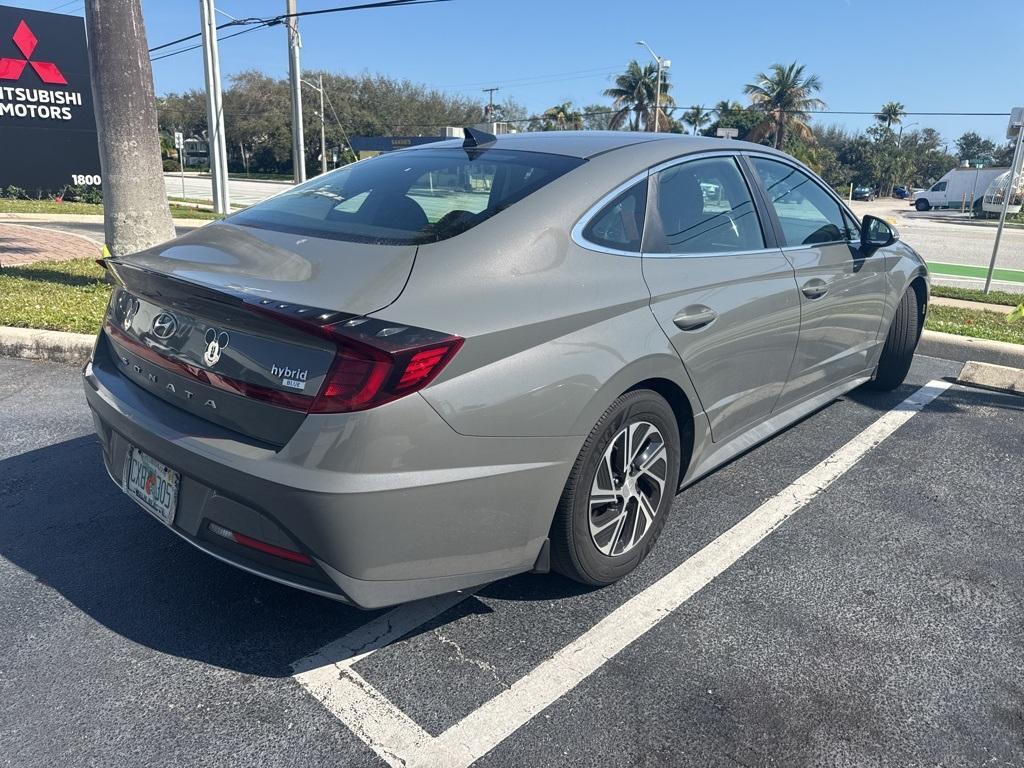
(877, 233)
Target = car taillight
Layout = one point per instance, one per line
(376, 361)
(364, 377)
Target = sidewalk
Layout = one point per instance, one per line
(26, 238)
(20, 245)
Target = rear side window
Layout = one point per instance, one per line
(620, 224)
(408, 198)
(807, 213)
(702, 206)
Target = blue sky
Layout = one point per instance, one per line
(938, 56)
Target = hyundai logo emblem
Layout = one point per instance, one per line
(164, 325)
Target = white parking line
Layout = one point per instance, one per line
(400, 741)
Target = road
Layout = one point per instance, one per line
(242, 191)
(948, 242)
(879, 625)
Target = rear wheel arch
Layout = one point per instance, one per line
(683, 410)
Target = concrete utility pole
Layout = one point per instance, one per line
(135, 212)
(323, 127)
(295, 77)
(218, 152)
(490, 102)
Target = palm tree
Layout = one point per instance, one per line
(634, 97)
(785, 97)
(725, 108)
(891, 112)
(563, 117)
(697, 118)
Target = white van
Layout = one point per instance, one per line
(958, 187)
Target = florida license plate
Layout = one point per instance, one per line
(151, 484)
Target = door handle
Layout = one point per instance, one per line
(814, 288)
(695, 317)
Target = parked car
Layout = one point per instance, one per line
(382, 385)
(863, 193)
(957, 187)
(900, 192)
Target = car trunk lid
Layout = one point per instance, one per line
(222, 324)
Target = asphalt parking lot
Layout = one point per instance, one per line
(849, 593)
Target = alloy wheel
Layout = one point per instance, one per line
(628, 488)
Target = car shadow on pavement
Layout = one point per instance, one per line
(68, 525)
(952, 401)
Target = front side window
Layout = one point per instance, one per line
(940, 187)
(807, 213)
(620, 224)
(702, 206)
(408, 198)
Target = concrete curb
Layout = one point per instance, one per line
(964, 348)
(999, 378)
(55, 346)
(942, 301)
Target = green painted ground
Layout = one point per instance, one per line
(965, 270)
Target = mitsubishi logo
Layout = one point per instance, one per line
(11, 69)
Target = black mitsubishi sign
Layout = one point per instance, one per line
(47, 126)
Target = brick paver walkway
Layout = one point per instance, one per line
(27, 245)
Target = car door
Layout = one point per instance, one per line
(841, 289)
(937, 194)
(720, 288)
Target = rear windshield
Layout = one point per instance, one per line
(410, 197)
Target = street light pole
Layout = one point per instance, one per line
(294, 75)
(1016, 126)
(662, 64)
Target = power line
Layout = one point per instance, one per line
(219, 40)
(274, 20)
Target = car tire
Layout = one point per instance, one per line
(599, 534)
(898, 352)
(922, 204)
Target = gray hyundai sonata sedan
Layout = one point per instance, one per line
(462, 361)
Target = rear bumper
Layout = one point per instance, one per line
(391, 504)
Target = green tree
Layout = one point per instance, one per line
(726, 108)
(634, 98)
(560, 117)
(785, 97)
(891, 112)
(732, 114)
(510, 111)
(257, 115)
(597, 117)
(697, 118)
(971, 146)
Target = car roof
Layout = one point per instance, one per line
(587, 144)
